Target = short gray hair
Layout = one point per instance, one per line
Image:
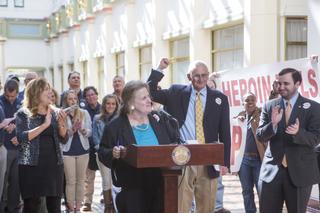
(195, 64)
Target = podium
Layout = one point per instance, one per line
(170, 159)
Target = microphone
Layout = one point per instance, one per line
(180, 140)
(168, 115)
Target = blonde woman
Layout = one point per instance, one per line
(109, 110)
(76, 151)
(40, 130)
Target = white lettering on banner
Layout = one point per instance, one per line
(238, 141)
(259, 79)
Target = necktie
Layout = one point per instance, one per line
(199, 119)
(287, 112)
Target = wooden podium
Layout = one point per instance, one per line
(162, 157)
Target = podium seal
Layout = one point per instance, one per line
(181, 155)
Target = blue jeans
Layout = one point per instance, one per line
(249, 177)
(219, 195)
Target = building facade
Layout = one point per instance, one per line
(102, 38)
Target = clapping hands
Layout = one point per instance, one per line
(293, 129)
(76, 126)
(47, 120)
(276, 115)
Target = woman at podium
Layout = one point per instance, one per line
(141, 189)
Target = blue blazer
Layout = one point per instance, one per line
(97, 130)
(216, 122)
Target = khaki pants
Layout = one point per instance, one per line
(89, 185)
(197, 184)
(105, 175)
(75, 172)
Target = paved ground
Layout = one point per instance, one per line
(232, 196)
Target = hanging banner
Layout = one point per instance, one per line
(258, 80)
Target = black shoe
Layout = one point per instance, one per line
(102, 201)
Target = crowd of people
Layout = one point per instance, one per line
(51, 146)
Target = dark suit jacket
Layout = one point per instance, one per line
(216, 123)
(299, 149)
(119, 132)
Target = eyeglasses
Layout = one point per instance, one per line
(90, 94)
(202, 76)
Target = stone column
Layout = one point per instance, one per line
(160, 47)
(65, 59)
(261, 32)
(313, 27)
(92, 75)
(109, 58)
(199, 50)
(2, 61)
(131, 53)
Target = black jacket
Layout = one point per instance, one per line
(119, 132)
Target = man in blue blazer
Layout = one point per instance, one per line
(180, 101)
(291, 124)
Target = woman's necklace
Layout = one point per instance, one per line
(141, 127)
(140, 123)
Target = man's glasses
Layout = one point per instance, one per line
(202, 76)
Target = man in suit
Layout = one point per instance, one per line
(203, 115)
(291, 124)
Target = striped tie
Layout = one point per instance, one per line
(199, 119)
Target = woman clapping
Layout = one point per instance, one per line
(76, 150)
(40, 130)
